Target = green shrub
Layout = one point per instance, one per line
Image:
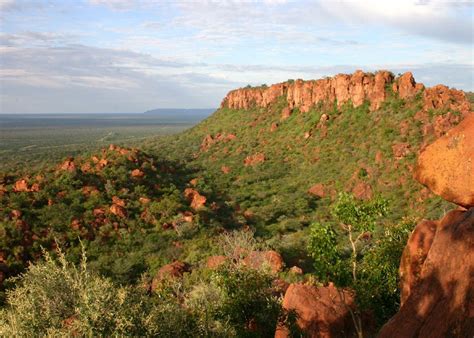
(57, 298)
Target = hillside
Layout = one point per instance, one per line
(282, 163)
(283, 153)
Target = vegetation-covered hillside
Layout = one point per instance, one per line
(327, 185)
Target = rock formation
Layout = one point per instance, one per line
(261, 259)
(446, 167)
(437, 266)
(344, 88)
(322, 311)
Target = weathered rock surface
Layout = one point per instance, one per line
(317, 190)
(446, 167)
(437, 280)
(343, 88)
(197, 200)
(172, 270)
(414, 255)
(322, 311)
(261, 259)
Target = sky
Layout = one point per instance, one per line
(98, 56)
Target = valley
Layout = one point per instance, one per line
(302, 191)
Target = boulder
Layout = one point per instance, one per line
(137, 173)
(21, 186)
(414, 255)
(437, 291)
(317, 190)
(118, 210)
(195, 198)
(363, 191)
(68, 165)
(446, 166)
(262, 259)
(406, 87)
(322, 311)
(169, 271)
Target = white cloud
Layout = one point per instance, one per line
(443, 20)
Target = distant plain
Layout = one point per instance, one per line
(28, 140)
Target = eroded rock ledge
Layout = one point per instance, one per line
(343, 88)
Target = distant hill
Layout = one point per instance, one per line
(182, 113)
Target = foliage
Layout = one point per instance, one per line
(378, 285)
(56, 298)
(329, 264)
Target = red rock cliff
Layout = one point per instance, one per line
(343, 88)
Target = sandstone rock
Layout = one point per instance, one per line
(86, 167)
(357, 88)
(317, 190)
(172, 270)
(137, 173)
(446, 167)
(262, 259)
(296, 270)
(118, 210)
(414, 255)
(195, 198)
(118, 201)
(406, 86)
(254, 159)
(21, 186)
(214, 262)
(442, 97)
(273, 127)
(362, 190)
(102, 163)
(68, 165)
(323, 311)
(437, 291)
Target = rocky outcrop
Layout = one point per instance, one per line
(446, 167)
(437, 265)
(406, 87)
(195, 198)
(264, 259)
(437, 280)
(317, 190)
(343, 88)
(322, 311)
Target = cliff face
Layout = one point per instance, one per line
(343, 88)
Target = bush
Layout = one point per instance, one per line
(56, 298)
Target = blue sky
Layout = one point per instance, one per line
(131, 55)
